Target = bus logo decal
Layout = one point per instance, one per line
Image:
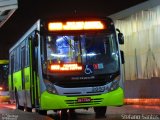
(88, 69)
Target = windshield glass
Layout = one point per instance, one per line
(96, 54)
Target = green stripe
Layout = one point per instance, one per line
(4, 61)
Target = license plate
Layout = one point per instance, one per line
(83, 100)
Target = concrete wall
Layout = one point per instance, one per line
(142, 88)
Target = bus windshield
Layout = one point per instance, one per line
(95, 53)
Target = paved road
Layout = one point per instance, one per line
(127, 112)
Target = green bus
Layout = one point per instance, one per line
(4, 74)
(4, 94)
(67, 64)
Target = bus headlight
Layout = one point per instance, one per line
(50, 87)
(114, 84)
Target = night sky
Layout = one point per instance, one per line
(30, 11)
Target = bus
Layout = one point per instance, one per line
(4, 74)
(4, 94)
(68, 64)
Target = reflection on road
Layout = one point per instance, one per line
(9, 106)
(147, 107)
(125, 112)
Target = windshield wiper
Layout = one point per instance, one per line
(71, 46)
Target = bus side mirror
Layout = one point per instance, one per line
(120, 37)
(122, 56)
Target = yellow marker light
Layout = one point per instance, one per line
(65, 67)
(78, 25)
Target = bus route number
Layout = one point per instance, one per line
(98, 89)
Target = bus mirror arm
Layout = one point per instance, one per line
(120, 37)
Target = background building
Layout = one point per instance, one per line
(7, 8)
(140, 25)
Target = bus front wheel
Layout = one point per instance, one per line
(100, 112)
(63, 115)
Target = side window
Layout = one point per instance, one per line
(19, 48)
(27, 52)
(12, 64)
(17, 59)
(23, 54)
(14, 68)
(23, 57)
(9, 63)
(10, 60)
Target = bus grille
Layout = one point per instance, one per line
(92, 102)
(82, 83)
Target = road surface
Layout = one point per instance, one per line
(127, 112)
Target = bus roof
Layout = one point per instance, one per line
(35, 26)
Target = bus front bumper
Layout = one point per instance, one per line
(53, 101)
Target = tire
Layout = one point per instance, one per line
(72, 114)
(42, 112)
(100, 112)
(29, 109)
(63, 115)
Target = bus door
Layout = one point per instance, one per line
(11, 72)
(22, 67)
(34, 70)
(35, 67)
(23, 74)
(11, 89)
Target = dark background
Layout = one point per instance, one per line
(30, 10)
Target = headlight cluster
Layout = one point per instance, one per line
(114, 84)
(50, 87)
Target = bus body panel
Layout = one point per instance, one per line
(4, 94)
(27, 90)
(17, 79)
(27, 78)
(10, 85)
